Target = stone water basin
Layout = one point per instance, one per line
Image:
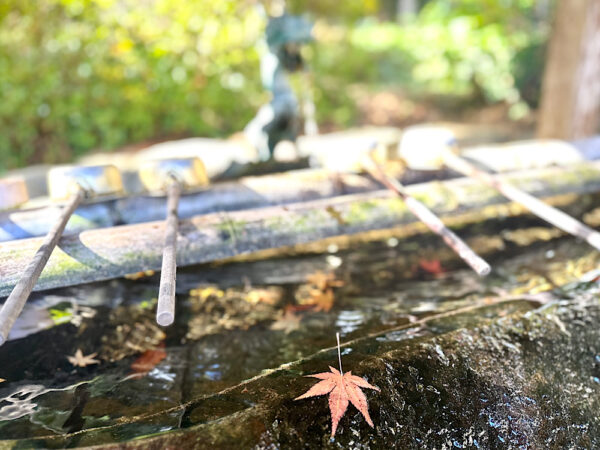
(512, 360)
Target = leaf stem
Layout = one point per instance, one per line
(337, 336)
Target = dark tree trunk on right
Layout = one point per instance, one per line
(570, 104)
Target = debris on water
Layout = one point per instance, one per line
(139, 275)
(319, 290)
(214, 311)
(270, 295)
(131, 331)
(528, 236)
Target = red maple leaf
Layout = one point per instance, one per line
(433, 267)
(148, 360)
(342, 388)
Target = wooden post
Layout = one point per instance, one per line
(570, 104)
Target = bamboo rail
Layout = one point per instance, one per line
(246, 193)
(165, 309)
(478, 264)
(12, 307)
(544, 211)
(102, 254)
(279, 189)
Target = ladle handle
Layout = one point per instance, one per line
(433, 222)
(549, 213)
(165, 311)
(16, 300)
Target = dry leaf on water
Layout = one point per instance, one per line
(319, 293)
(322, 301)
(78, 360)
(343, 388)
(323, 281)
(433, 266)
(149, 360)
(288, 322)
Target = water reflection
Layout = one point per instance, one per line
(349, 321)
(20, 402)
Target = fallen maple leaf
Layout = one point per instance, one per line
(322, 300)
(79, 360)
(323, 281)
(342, 388)
(433, 267)
(319, 293)
(149, 359)
(288, 322)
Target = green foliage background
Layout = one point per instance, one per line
(77, 75)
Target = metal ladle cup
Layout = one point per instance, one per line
(434, 147)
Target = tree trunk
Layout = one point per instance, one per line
(570, 106)
(406, 9)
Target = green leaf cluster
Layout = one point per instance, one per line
(83, 75)
(478, 51)
(77, 75)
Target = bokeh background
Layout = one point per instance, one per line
(96, 75)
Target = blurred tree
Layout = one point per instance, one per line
(463, 48)
(542, 9)
(333, 9)
(81, 74)
(406, 9)
(570, 107)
